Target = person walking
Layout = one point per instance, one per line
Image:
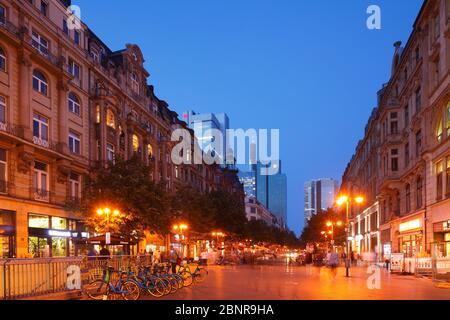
(173, 260)
(308, 263)
(333, 262)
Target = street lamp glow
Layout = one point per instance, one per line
(359, 199)
(100, 212)
(339, 223)
(323, 232)
(329, 224)
(342, 200)
(116, 212)
(107, 210)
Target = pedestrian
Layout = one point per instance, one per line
(104, 253)
(173, 260)
(308, 262)
(333, 262)
(204, 258)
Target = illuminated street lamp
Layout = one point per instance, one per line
(218, 234)
(106, 212)
(346, 200)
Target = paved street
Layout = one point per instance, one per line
(294, 283)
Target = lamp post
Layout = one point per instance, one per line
(180, 228)
(331, 225)
(346, 200)
(217, 234)
(107, 213)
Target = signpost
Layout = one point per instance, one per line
(108, 238)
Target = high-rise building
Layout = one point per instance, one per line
(271, 189)
(203, 125)
(319, 196)
(248, 179)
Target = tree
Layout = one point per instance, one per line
(126, 186)
(312, 233)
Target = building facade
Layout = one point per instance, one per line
(402, 165)
(68, 106)
(248, 180)
(255, 211)
(319, 195)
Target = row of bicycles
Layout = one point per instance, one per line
(132, 282)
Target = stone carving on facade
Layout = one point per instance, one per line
(63, 171)
(25, 161)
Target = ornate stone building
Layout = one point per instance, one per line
(402, 165)
(69, 104)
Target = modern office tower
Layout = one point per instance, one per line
(203, 125)
(319, 196)
(271, 189)
(248, 179)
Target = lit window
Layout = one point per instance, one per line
(59, 223)
(439, 131)
(38, 221)
(149, 150)
(74, 143)
(40, 83)
(135, 143)
(2, 60)
(97, 114)
(110, 119)
(74, 103)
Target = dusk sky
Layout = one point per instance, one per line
(309, 68)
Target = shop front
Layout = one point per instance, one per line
(442, 238)
(50, 236)
(410, 237)
(7, 234)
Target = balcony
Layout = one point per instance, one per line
(9, 27)
(46, 144)
(41, 195)
(44, 52)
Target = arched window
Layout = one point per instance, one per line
(2, 60)
(419, 193)
(149, 150)
(110, 119)
(135, 143)
(408, 198)
(134, 83)
(40, 83)
(74, 104)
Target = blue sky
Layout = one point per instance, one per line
(308, 68)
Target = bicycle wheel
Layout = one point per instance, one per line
(167, 286)
(173, 283)
(97, 290)
(130, 290)
(187, 278)
(155, 287)
(200, 275)
(179, 279)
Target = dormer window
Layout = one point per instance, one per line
(95, 55)
(134, 83)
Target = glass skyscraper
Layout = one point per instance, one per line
(319, 195)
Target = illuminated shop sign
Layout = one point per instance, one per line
(411, 225)
(56, 233)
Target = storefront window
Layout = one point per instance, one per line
(37, 247)
(411, 245)
(59, 223)
(59, 247)
(38, 221)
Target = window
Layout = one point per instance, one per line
(406, 115)
(448, 120)
(418, 99)
(39, 43)
(407, 155)
(394, 122)
(2, 112)
(65, 27)
(394, 160)
(38, 221)
(40, 83)
(74, 103)
(408, 198)
(3, 172)
(97, 114)
(59, 223)
(2, 60)
(2, 15)
(110, 119)
(75, 186)
(149, 150)
(95, 56)
(447, 173)
(252, 210)
(135, 143)
(40, 128)
(76, 37)
(419, 193)
(74, 69)
(439, 131)
(418, 143)
(110, 155)
(44, 7)
(74, 143)
(40, 181)
(439, 180)
(134, 83)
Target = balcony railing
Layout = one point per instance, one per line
(8, 26)
(44, 52)
(41, 195)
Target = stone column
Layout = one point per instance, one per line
(24, 94)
